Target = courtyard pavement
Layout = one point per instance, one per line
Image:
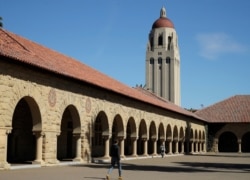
(220, 166)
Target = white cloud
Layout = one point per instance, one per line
(212, 45)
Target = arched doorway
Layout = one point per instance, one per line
(70, 131)
(100, 130)
(152, 138)
(228, 142)
(161, 138)
(130, 136)
(142, 137)
(118, 132)
(181, 140)
(175, 140)
(245, 142)
(169, 139)
(22, 141)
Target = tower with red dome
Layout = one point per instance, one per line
(163, 60)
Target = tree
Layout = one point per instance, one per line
(1, 24)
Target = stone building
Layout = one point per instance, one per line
(54, 109)
(228, 124)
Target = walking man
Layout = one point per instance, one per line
(162, 150)
(115, 159)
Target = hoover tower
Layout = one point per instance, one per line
(163, 60)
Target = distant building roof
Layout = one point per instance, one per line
(19, 49)
(235, 109)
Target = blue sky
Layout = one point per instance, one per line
(111, 36)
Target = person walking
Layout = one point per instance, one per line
(162, 150)
(115, 159)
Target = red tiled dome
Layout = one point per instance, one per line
(163, 22)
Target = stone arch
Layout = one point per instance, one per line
(100, 131)
(196, 140)
(117, 128)
(199, 141)
(130, 136)
(152, 137)
(190, 141)
(175, 134)
(203, 141)
(203, 136)
(228, 142)
(31, 95)
(245, 142)
(169, 139)
(26, 121)
(142, 137)
(161, 137)
(70, 128)
(169, 133)
(181, 140)
(175, 139)
(196, 135)
(192, 135)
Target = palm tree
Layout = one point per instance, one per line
(1, 24)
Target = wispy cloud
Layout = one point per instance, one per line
(212, 45)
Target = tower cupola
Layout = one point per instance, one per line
(163, 21)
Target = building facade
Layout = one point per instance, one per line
(163, 60)
(228, 124)
(55, 109)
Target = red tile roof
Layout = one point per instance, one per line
(235, 109)
(20, 49)
(163, 22)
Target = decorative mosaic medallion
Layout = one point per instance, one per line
(88, 105)
(52, 97)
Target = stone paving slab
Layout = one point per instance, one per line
(189, 167)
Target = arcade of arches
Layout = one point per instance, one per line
(47, 123)
(233, 137)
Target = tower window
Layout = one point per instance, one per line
(152, 61)
(160, 40)
(160, 61)
(169, 42)
(152, 42)
(168, 60)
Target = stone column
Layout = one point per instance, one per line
(106, 153)
(196, 147)
(78, 147)
(200, 147)
(134, 154)
(39, 147)
(170, 147)
(203, 146)
(121, 139)
(145, 147)
(182, 147)
(192, 147)
(216, 149)
(3, 148)
(239, 145)
(50, 147)
(176, 147)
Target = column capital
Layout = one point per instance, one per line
(5, 131)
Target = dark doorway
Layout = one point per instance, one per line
(228, 142)
(21, 141)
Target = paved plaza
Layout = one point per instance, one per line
(196, 167)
